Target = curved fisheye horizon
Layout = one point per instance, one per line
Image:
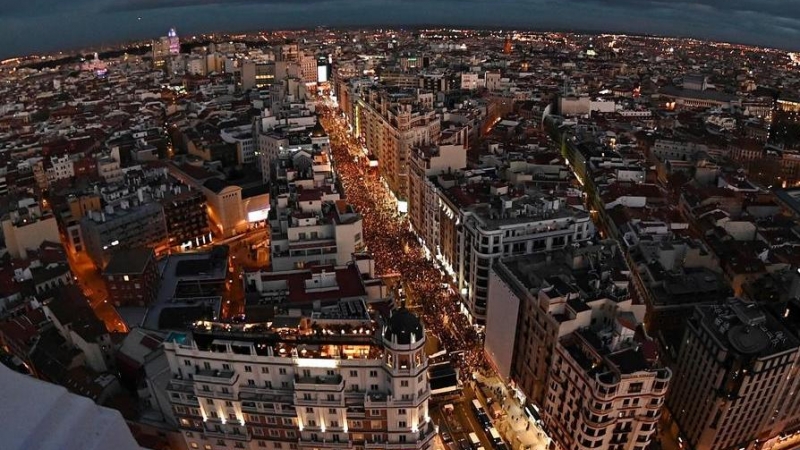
(113, 22)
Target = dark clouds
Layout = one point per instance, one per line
(46, 25)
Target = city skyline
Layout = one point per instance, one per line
(45, 26)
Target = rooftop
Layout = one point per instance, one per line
(129, 261)
(746, 328)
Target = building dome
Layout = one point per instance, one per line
(403, 328)
(318, 130)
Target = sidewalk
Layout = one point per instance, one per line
(514, 424)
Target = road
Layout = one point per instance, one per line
(94, 288)
(462, 420)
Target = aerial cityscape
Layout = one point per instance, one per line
(400, 238)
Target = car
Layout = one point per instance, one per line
(446, 436)
(463, 444)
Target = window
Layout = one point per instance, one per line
(282, 371)
(206, 365)
(232, 416)
(265, 370)
(209, 401)
(404, 383)
(229, 404)
(226, 367)
(248, 368)
(194, 445)
(331, 410)
(335, 423)
(251, 382)
(262, 444)
(373, 374)
(401, 412)
(353, 373)
(187, 362)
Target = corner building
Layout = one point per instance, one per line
(332, 378)
(736, 376)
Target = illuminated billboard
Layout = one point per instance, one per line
(322, 74)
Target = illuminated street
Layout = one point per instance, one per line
(94, 288)
(397, 251)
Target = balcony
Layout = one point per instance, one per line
(181, 385)
(326, 443)
(377, 399)
(225, 435)
(227, 377)
(215, 394)
(319, 383)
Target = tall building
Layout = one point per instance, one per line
(166, 47)
(334, 378)
(423, 206)
(563, 330)
(736, 376)
(490, 220)
(392, 122)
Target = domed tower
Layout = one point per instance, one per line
(406, 365)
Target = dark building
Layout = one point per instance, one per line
(132, 277)
(186, 218)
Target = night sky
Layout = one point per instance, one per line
(28, 26)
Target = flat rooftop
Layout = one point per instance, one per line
(181, 298)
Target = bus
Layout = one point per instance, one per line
(473, 439)
(494, 436)
(480, 413)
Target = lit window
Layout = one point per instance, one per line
(126, 278)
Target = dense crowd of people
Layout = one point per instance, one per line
(396, 249)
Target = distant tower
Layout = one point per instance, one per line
(174, 42)
(507, 45)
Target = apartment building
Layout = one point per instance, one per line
(736, 376)
(129, 226)
(492, 221)
(606, 390)
(314, 228)
(26, 227)
(186, 217)
(423, 207)
(393, 121)
(539, 298)
(132, 277)
(334, 377)
(564, 331)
